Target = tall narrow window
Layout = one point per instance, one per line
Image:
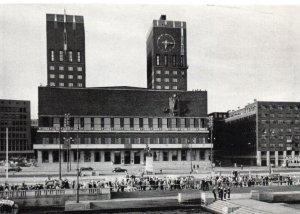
(52, 55)
(61, 56)
(166, 60)
(157, 59)
(181, 61)
(174, 60)
(70, 55)
(78, 56)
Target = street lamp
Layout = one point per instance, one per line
(77, 140)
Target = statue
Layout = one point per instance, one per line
(174, 104)
(148, 151)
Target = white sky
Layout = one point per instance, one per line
(236, 53)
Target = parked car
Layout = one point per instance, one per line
(14, 169)
(87, 171)
(119, 169)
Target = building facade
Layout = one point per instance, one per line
(218, 136)
(265, 133)
(15, 115)
(167, 55)
(117, 124)
(65, 51)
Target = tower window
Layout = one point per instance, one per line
(174, 80)
(70, 76)
(174, 87)
(51, 68)
(79, 77)
(61, 68)
(157, 59)
(158, 87)
(61, 76)
(70, 56)
(167, 72)
(167, 80)
(166, 60)
(174, 72)
(70, 68)
(167, 87)
(79, 68)
(78, 56)
(70, 84)
(174, 60)
(61, 84)
(61, 56)
(158, 71)
(52, 76)
(52, 55)
(79, 84)
(52, 83)
(158, 79)
(181, 61)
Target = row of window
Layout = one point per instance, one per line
(166, 79)
(70, 84)
(280, 107)
(289, 122)
(62, 68)
(122, 122)
(12, 109)
(281, 137)
(280, 153)
(61, 56)
(15, 145)
(62, 76)
(13, 135)
(288, 114)
(164, 60)
(174, 87)
(13, 116)
(167, 72)
(12, 129)
(17, 123)
(147, 140)
(108, 156)
(274, 131)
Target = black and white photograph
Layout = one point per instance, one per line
(149, 107)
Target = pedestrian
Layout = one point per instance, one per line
(224, 192)
(214, 192)
(221, 193)
(228, 192)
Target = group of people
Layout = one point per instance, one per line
(220, 185)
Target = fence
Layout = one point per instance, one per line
(51, 192)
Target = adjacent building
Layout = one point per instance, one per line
(263, 133)
(65, 51)
(15, 115)
(167, 55)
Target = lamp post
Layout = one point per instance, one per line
(77, 140)
(67, 140)
(59, 152)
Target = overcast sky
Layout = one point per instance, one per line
(236, 53)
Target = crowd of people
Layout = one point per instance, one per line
(220, 185)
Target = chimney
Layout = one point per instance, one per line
(163, 17)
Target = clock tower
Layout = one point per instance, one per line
(166, 55)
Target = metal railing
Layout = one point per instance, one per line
(51, 192)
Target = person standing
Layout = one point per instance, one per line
(214, 192)
(228, 192)
(224, 192)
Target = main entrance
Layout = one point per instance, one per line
(117, 157)
(127, 157)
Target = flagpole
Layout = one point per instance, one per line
(7, 153)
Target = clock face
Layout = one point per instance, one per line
(165, 42)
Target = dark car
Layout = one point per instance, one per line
(15, 169)
(86, 169)
(119, 169)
